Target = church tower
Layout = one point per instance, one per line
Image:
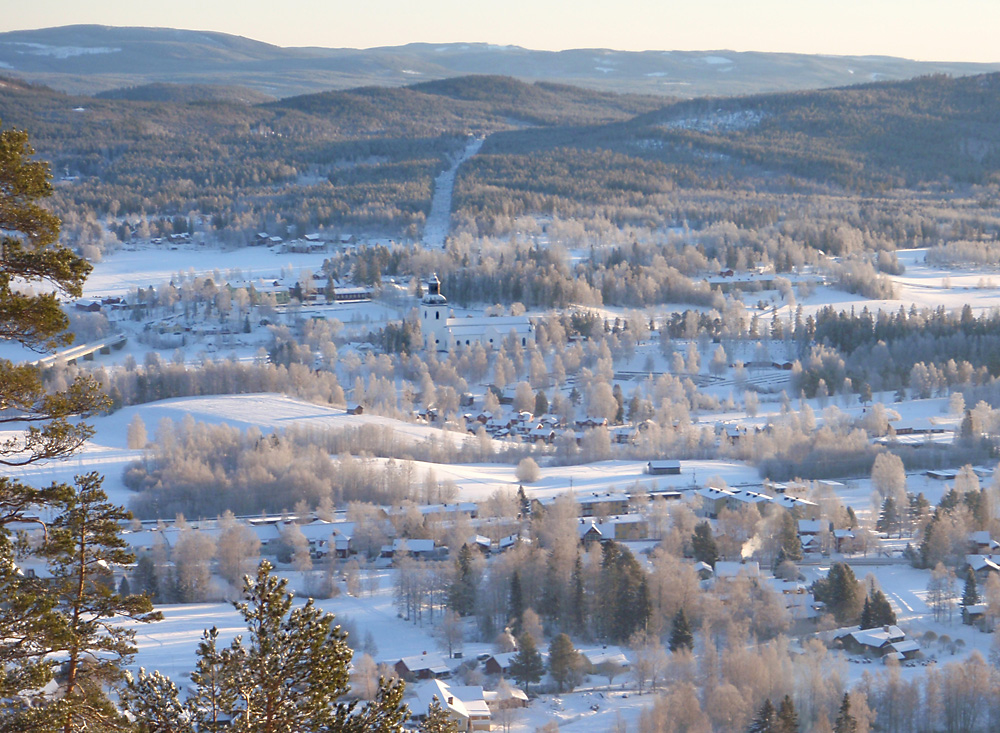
(434, 317)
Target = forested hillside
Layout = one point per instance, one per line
(364, 160)
(929, 133)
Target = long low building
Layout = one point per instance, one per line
(592, 503)
(713, 500)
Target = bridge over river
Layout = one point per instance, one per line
(83, 351)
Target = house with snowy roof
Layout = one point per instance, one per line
(402, 547)
(798, 601)
(498, 664)
(743, 497)
(508, 542)
(595, 503)
(976, 615)
(983, 566)
(980, 543)
(843, 539)
(466, 704)
(713, 500)
(510, 697)
(663, 468)
(878, 642)
(422, 667)
(787, 501)
(596, 656)
(809, 527)
(467, 508)
(481, 543)
(619, 528)
(727, 570)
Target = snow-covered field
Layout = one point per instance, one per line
(922, 285)
(144, 266)
(107, 451)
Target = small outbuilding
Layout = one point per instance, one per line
(663, 468)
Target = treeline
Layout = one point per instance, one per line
(889, 350)
(981, 254)
(160, 380)
(955, 697)
(202, 470)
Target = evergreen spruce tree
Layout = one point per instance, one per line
(527, 665)
(788, 719)
(626, 606)
(541, 403)
(970, 594)
(866, 615)
(462, 594)
(778, 560)
(845, 722)
(680, 635)
(703, 544)
(881, 610)
(515, 604)
(789, 537)
(764, 720)
(925, 543)
(918, 507)
(888, 519)
(564, 663)
(578, 610)
(550, 606)
(966, 431)
(642, 608)
(438, 719)
(841, 592)
(949, 501)
(144, 577)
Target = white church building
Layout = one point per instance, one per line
(442, 331)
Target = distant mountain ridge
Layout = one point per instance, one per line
(87, 59)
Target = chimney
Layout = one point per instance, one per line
(451, 700)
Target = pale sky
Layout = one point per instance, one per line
(925, 30)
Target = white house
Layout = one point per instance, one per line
(466, 705)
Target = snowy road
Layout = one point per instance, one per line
(439, 221)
